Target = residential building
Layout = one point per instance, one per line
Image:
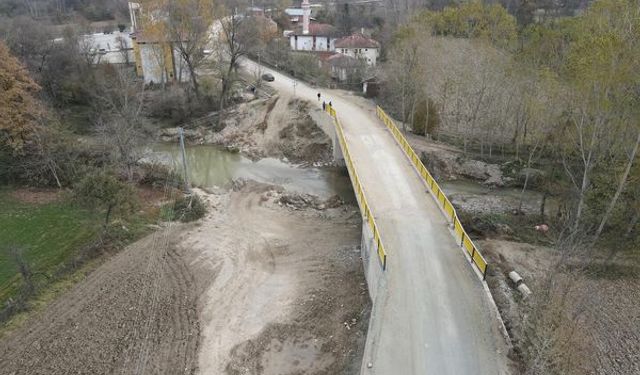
(360, 47)
(157, 58)
(312, 36)
(108, 48)
(295, 14)
(343, 67)
(321, 37)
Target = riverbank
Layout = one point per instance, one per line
(280, 127)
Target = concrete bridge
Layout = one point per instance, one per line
(432, 311)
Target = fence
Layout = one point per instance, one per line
(444, 203)
(357, 187)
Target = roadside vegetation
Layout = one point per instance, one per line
(553, 101)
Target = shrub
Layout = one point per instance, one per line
(102, 189)
(159, 175)
(186, 208)
(425, 117)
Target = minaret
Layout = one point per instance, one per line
(306, 13)
(133, 8)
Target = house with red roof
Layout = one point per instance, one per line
(359, 47)
(313, 36)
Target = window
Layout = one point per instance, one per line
(366, 49)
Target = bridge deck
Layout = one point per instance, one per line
(433, 315)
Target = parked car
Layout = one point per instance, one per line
(268, 77)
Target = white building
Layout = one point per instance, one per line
(320, 37)
(109, 48)
(157, 58)
(312, 36)
(295, 14)
(360, 47)
(159, 61)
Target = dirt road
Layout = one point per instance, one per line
(433, 315)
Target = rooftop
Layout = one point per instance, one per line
(342, 61)
(109, 42)
(293, 11)
(317, 29)
(357, 41)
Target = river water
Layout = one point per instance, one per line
(210, 166)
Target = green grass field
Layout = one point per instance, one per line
(49, 233)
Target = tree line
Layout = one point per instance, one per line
(565, 90)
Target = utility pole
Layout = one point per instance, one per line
(187, 188)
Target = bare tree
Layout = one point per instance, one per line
(234, 41)
(119, 99)
(631, 158)
(189, 28)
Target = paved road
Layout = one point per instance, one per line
(433, 316)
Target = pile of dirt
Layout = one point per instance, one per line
(297, 201)
(278, 127)
(136, 313)
(489, 174)
(302, 140)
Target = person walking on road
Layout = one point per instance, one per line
(324, 106)
(319, 96)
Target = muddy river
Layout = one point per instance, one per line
(210, 166)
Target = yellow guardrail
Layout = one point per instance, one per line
(367, 215)
(444, 203)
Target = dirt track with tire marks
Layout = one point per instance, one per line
(136, 313)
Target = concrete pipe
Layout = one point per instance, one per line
(524, 289)
(515, 277)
